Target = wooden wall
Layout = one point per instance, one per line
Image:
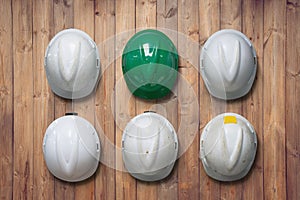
(27, 105)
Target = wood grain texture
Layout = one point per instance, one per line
(274, 100)
(125, 24)
(252, 27)
(23, 100)
(6, 101)
(209, 20)
(28, 106)
(104, 108)
(188, 25)
(43, 98)
(292, 95)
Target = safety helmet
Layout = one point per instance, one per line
(72, 64)
(149, 147)
(150, 64)
(71, 148)
(227, 147)
(228, 64)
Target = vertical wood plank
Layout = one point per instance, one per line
(63, 12)
(6, 101)
(145, 17)
(85, 21)
(231, 18)
(231, 14)
(167, 18)
(43, 108)
(274, 100)
(125, 24)
(188, 163)
(104, 121)
(252, 106)
(23, 99)
(209, 12)
(145, 14)
(292, 100)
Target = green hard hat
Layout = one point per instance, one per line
(150, 64)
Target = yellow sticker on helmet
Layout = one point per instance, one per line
(230, 120)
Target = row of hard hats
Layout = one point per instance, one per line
(150, 64)
(149, 147)
(71, 147)
(149, 144)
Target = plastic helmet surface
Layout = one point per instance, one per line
(72, 64)
(228, 64)
(149, 147)
(150, 64)
(71, 148)
(228, 147)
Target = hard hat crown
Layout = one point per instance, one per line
(72, 64)
(71, 148)
(150, 64)
(149, 147)
(228, 147)
(228, 64)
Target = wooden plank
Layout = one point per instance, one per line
(209, 12)
(6, 101)
(167, 20)
(145, 15)
(188, 163)
(104, 121)
(85, 21)
(274, 100)
(252, 103)
(292, 91)
(23, 100)
(125, 23)
(231, 14)
(231, 18)
(43, 107)
(63, 12)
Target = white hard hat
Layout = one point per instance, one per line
(149, 147)
(71, 148)
(228, 64)
(227, 147)
(72, 64)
